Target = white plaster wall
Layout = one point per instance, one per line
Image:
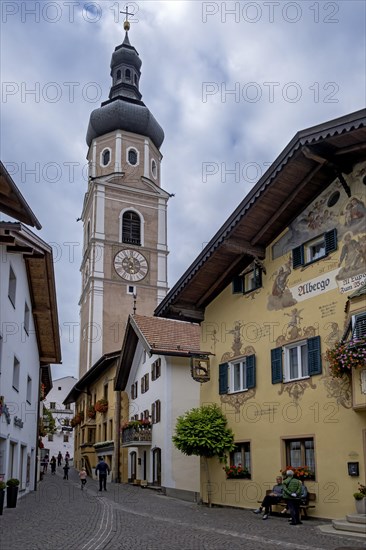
(57, 396)
(16, 342)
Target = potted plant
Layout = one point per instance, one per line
(2, 496)
(360, 499)
(12, 492)
(346, 355)
(91, 412)
(101, 406)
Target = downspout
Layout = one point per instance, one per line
(37, 449)
(117, 444)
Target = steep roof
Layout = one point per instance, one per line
(309, 163)
(12, 201)
(38, 259)
(159, 337)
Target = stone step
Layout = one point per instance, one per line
(356, 518)
(344, 525)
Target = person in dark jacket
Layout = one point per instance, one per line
(292, 489)
(272, 498)
(103, 470)
(66, 469)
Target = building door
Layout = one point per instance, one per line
(157, 467)
(133, 465)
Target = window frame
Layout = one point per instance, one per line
(314, 360)
(304, 459)
(136, 151)
(29, 390)
(16, 374)
(299, 252)
(302, 369)
(240, 282)
(131, 228)
(226, 375)
(12, 286)
(245, 459)
(102, 153)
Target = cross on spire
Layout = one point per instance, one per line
(126, 24)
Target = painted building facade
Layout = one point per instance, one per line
(295, 253)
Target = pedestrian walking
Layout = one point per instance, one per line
(82, 476)
(66, 469)
(59, 458)
(67, 456)
(53, 465)
(103, 470)
(45, 463)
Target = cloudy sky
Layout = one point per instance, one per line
(230, 83)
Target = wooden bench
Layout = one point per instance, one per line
(310, 499)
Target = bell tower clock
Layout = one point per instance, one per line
(124, 213)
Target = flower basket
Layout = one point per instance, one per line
(76, 420)
(236, 472)
(101, 406)
(346, 355)
(302, 472)
(91, 412)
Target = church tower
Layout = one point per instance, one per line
(124, 264)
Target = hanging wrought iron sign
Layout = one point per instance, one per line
(200, 368)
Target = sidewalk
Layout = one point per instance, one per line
(60, 516)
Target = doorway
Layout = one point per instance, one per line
(157, 467)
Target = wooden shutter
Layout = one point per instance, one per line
(298, 256)
(359, 329)
(223, 378)
(330, 239)
(251, 371)
(238, 285)
(314, 356)
(276, 365)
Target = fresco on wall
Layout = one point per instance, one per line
(333, 209)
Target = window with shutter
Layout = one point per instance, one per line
(131, 228)
(240, 375)
(359, 326)
(315, 249)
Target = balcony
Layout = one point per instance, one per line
(136, 436)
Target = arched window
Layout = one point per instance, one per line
(119, 74)
(106, 157)
(135, 78)
(128, 74)
(132, 157)
(154, 169)
(131, 228)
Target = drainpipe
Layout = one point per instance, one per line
(37, 449)
(117, 443)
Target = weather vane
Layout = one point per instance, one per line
(126, 24)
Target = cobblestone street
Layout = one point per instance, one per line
(59, 516)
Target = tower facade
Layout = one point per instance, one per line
(124, 264)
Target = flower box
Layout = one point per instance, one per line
(346, 355)
(236, 472)
(302, 472)
(101, 406)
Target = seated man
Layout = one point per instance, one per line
(271, 498)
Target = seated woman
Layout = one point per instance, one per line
(272, 498)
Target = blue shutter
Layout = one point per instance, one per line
(250, 366)
(223, 378)
(238, 285)
(330, 239)
(314, 356)
(298, 256)
(276, 365)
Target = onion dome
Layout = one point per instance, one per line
(124, 110)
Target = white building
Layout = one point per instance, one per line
(29, 334)
(63, 439)
(156, 370)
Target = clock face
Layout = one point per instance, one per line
(130, 265)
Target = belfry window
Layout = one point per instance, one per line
(119, 74)
(132, 157)
(131, 228)
(106, 157)
(128, 74)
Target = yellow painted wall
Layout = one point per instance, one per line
(318, 406)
